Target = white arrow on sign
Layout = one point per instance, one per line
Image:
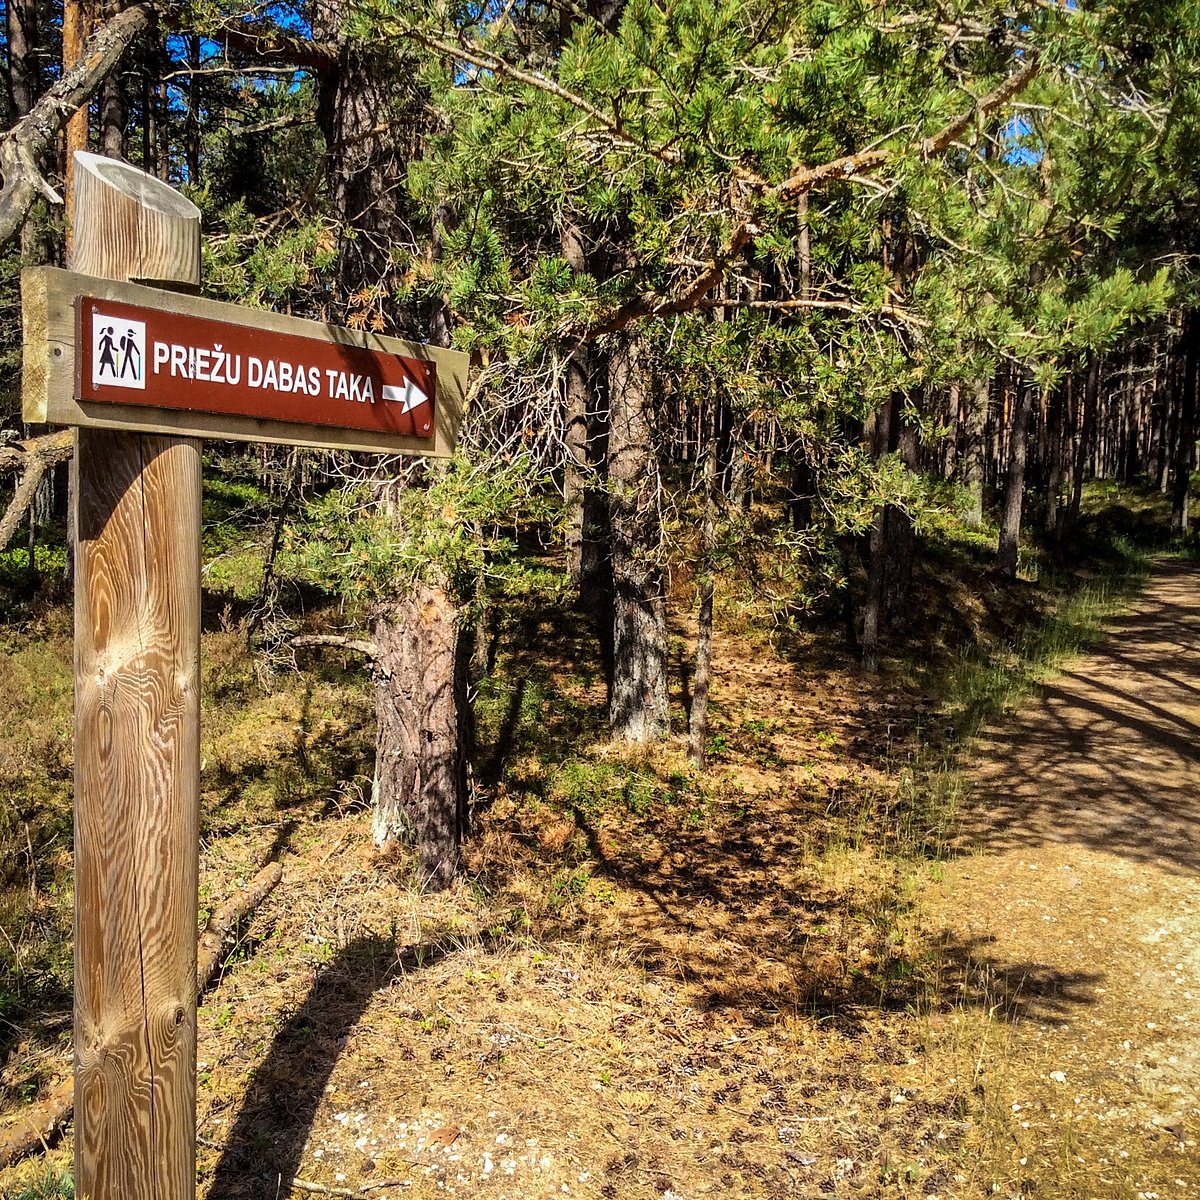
(409, 395)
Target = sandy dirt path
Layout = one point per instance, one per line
(1073, 919)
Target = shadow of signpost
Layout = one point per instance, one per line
(266, 1144)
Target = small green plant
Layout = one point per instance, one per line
(717, 746)
(54, 1185)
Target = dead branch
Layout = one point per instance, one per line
(37, 456)
(51, 447)
(361, 645)
(34, 135)
(22, 499)
(323, 1189)
(268, 42)
(46, 1119)
(793, 302)
(211, 949)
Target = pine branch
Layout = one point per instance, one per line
(486, 60)
(800, 183)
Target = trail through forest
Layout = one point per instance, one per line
(1079, 910)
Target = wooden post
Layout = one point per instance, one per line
(137, 741)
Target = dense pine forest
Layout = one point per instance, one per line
(834, 378)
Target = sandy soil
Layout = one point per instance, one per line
(1074, 916)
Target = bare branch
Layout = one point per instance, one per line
(32, 137)
(50, 448)
(268, 42)
(792, 303)
(19, 504)
(361, 645)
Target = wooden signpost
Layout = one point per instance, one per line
(119, 348)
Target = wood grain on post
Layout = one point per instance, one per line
(137, 741)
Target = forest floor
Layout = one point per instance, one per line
(823, 968)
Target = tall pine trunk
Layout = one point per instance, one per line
(974, 449)
(879, 436)
(698, 716)
(1014, 483)
(1185, 448)
(638, 697)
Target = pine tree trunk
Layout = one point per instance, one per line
(972, 465)
(1185, 450)
(954, 423)
(76, 17)
(576, 466)
(191, 124)
(638, 698)
(900, 537)
(879, 436)
(419, 792)
(803, 491)
(1014, 484)
(1083, 448)
(698, 716)
(114, 109)
(1056, 441)
(21, 25)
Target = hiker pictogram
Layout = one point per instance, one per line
(118, 351)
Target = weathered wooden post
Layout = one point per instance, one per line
(137, 740)
(143, 373)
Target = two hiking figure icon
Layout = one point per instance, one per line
(128, 351)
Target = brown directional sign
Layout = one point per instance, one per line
(118, 355)
(130, 354)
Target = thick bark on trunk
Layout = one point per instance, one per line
(972, 464)
(419, 792)
(1185, 449)
(879, 434)
(1014, 484)
(698, 716)
(638, 698)
(1083, 444)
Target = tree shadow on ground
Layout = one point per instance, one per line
(266, 1144)
(744, 929)
(1108, 756)
(968, 975)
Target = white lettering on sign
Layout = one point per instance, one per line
(212, 364)
(118, 352)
